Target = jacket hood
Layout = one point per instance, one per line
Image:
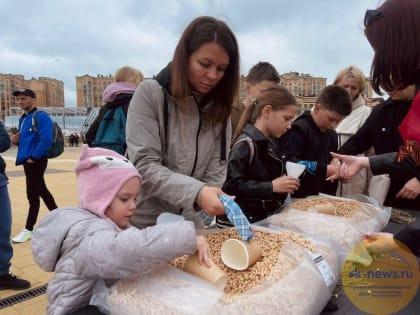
(359, 101)
(115, 88)
(304, 115)
(164, 78)
(49, 237)
(254, 133)
(122, 99)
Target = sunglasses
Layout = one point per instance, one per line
(371, 16)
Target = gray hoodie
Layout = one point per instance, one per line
(83, 249)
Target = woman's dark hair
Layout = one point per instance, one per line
(393, 31)
(200, 31)
(277, 96)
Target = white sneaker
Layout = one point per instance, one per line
(23, 236)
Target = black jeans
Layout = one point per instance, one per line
(36, 188)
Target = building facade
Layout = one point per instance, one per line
(301, 84)
(304, 87)
(49, 92)
(89, 89)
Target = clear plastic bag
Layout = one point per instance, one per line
(344, 231)
(294, 286)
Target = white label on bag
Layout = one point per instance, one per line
(323, 268)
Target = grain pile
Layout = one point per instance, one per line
(270, 244)
(345, 208)
(278, 284)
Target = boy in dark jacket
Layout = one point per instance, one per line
(312, 138)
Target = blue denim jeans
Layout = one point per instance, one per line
(6, 249)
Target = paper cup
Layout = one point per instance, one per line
(213, 274)
(326, 208)
(294, 169)
(240, 255)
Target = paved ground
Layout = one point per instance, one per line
(61, 180)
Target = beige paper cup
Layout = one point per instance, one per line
(326, 208)
(240, 255)
(294, 169)
(213, 274)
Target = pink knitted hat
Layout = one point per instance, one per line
(100, 175)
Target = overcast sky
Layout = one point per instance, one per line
(68, 38)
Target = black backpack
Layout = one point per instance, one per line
(57, 147)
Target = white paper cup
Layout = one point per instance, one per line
(239, 255)
(294, 169)
(213, 274)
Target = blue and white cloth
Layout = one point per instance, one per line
(310, 166)
(237, 218)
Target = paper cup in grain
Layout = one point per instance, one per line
(326, 208)
(213, 274)
(239, 255)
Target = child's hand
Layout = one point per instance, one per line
(348, 167)
(203, 250)
(285, 184)
(333, 171)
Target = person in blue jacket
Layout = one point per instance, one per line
(33, 145)
(8, 281)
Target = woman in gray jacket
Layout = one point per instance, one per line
(178, 128)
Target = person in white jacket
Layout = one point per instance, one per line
(353, 80)
(94, 242)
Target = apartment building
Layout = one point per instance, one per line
(49, 92)
(89, 89)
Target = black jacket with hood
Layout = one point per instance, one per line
(251, 183)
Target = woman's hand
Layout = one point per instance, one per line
(349, 166)
(285, 184)
(333, 171)
(208, 200)
(203, 251)
(410, 190)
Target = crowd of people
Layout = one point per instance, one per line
(179, 154)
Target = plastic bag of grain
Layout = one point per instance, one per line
(285, 281)
(162, 290)
(295, 284)
(344, 221)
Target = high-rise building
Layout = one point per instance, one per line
(89, 89)
(49, 92)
